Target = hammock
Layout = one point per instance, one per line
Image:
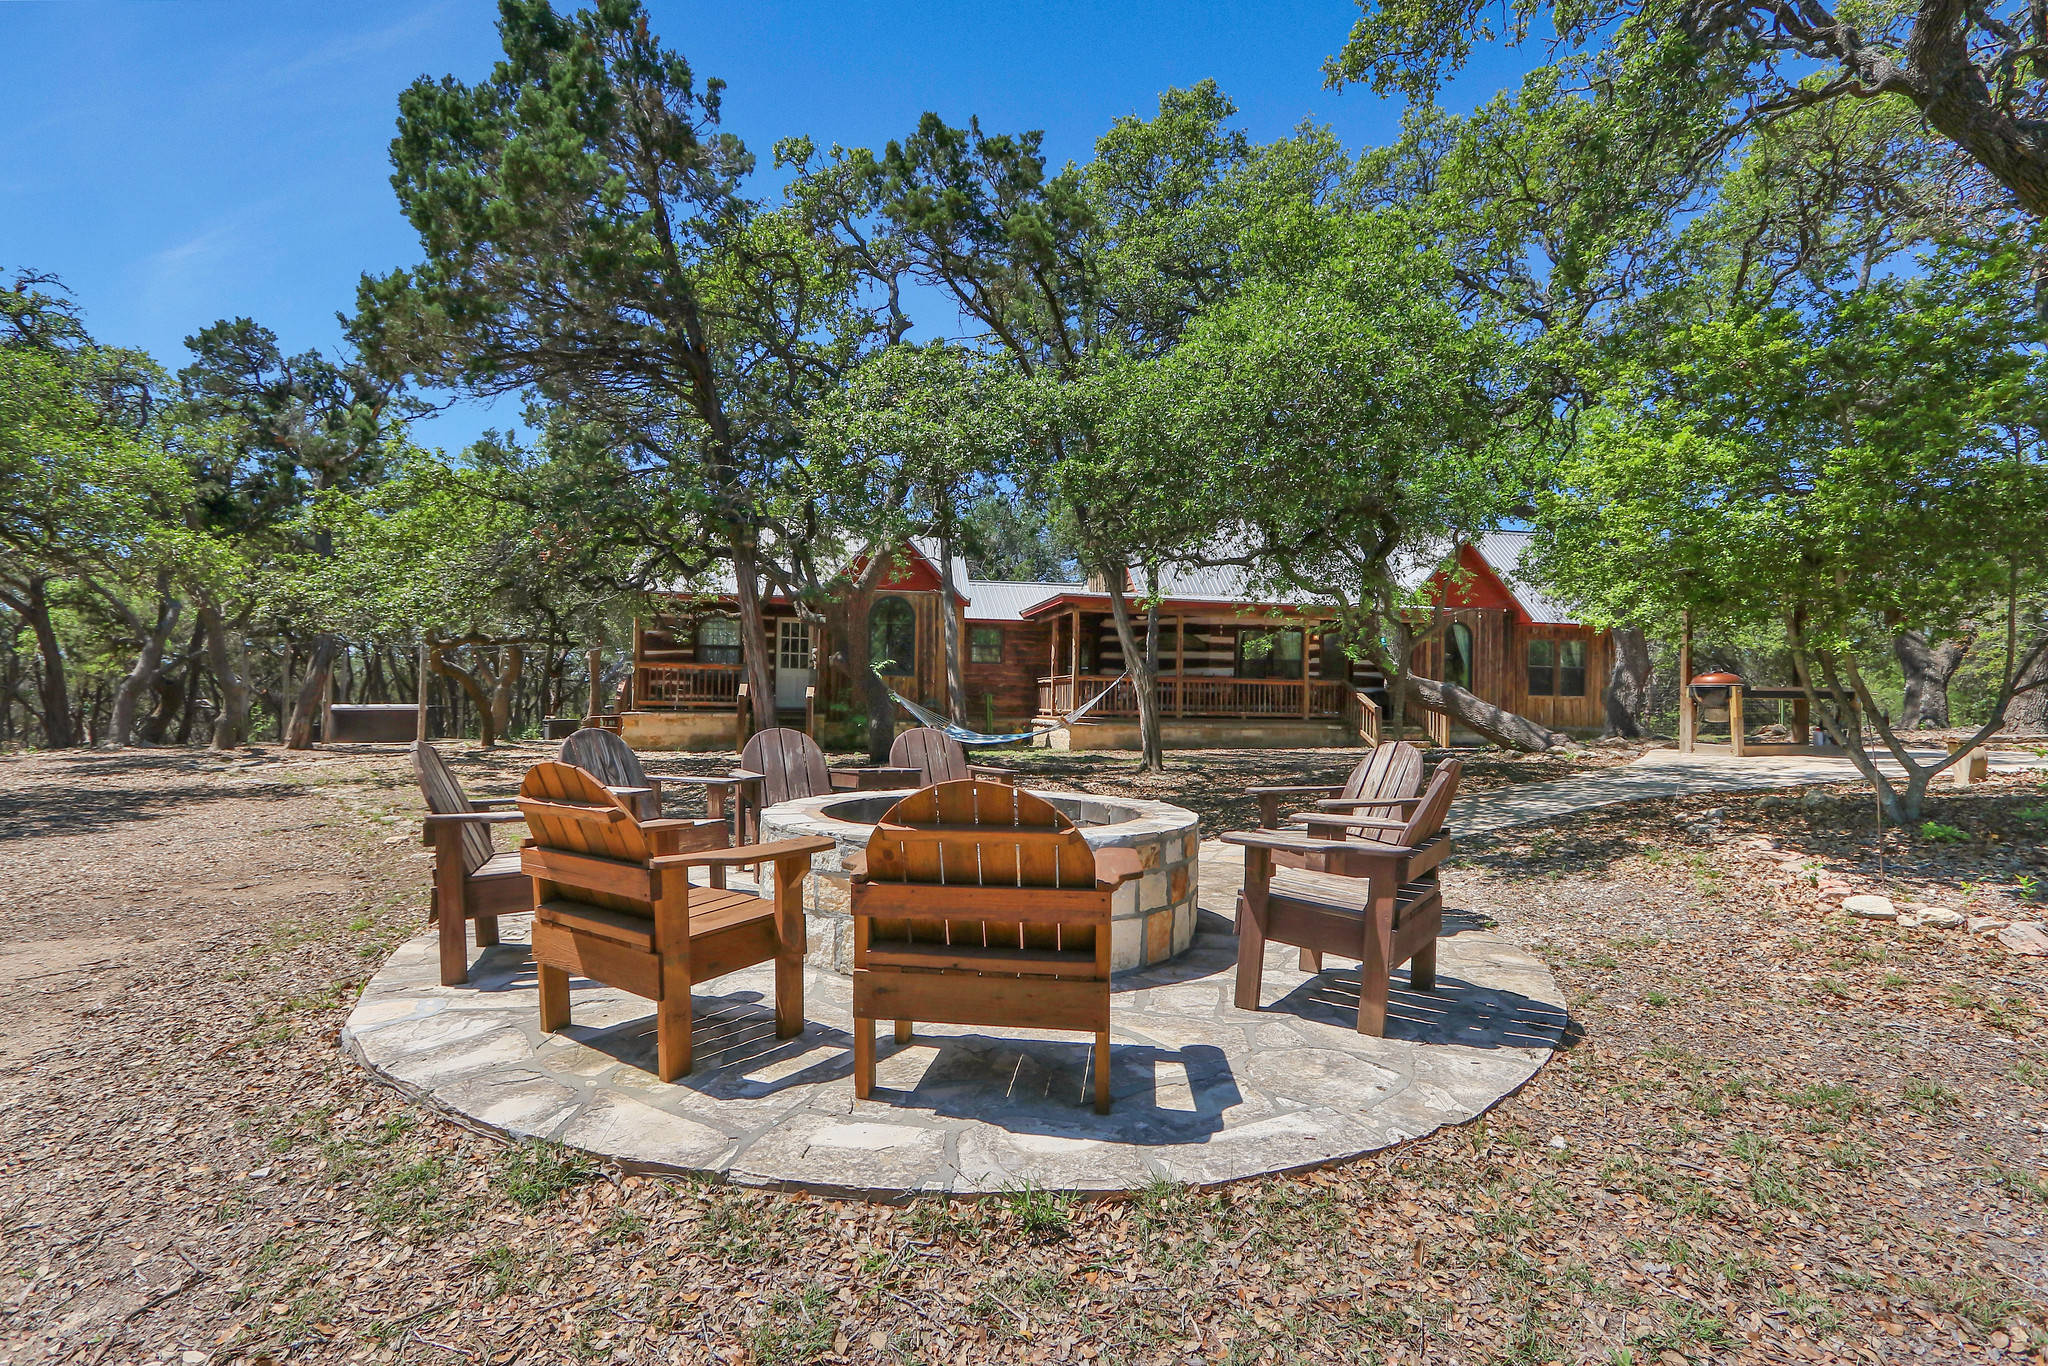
(975, 737)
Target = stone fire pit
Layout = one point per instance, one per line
(1151, 920)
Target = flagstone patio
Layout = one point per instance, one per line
(1203, 1092)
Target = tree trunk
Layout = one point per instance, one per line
(956, 678)
(478, 690)
(1928, 667)
(2028, 710)
(29, 598)
(1628, 683)
(148, 668)
(1501, 727)
(511, 664)
(1144, 678)
(306, 701)
(754, 642)
(225, 658)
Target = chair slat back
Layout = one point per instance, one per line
(1435, 805)
(567, 808)
(791, 763)
(444, 797)
(970, 834)
(937, 755)
(1391, 770)
(605, 756)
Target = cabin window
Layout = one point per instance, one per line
(1571, 668)
(985, 645)
(1557, 668)
(892, 636)
(1269, 654)
(718, 641)
(1458, 656)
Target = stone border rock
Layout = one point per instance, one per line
(1204, 1093)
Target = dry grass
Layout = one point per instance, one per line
(1776, 1135)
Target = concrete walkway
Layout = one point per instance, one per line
(1668, 773)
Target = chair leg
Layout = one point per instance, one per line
(486, 931)
(1311, 960)
(903, 1031)
(554, 998)
(1102, 1073)
(454, 947)
(672, 1035)
(1251, 956)
(789, 994)
(863, 1057)
(1374, 972)
(1422, 968)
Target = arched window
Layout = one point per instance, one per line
(892, 636)
(1458, 655)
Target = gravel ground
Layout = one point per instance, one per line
(1778, 1133)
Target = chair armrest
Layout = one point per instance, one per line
(773, 851)
(876, 777)
(855, 864)
(493, 803)
(1301, 844)
(1348, 822)
(993, 772)
(737, 778)
(434, 822)
(1114, 867)
(1352, 803)
(1295, 791)
(680, 823)
(627, 791)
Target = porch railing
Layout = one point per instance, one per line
(682, 686)
(1278, 698)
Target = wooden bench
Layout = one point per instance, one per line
(979, 903)
(613, 901)
(1381, 904)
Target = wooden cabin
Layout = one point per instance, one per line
(1237, 670)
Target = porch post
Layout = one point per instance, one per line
(1180, 666)
(1686, 720)
(1074, 658)
(1306, 639)
(596, 658)
(426, 655)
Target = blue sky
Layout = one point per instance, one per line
(177, 163)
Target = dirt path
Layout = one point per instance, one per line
(1779, 1135)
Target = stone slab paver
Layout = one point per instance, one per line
(1204, 1092)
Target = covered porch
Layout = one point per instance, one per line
(1218, 662)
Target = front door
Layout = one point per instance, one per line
(792, 663)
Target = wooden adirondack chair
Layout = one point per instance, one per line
(981, 904)
(610, 760)
(473, 881)
(1382, 778)
(1379, 903)
(939, 758)
(613, 901)
(780, 765)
